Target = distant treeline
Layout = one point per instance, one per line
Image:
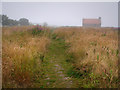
(6, 21)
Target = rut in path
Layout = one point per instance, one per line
(55, 76)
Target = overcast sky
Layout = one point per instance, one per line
(63, 13)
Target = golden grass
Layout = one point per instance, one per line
(94, 49)
(20, 55)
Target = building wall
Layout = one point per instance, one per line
(91, 25)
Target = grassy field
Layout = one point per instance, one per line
(64, 57)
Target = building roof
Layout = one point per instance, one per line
(91, 21)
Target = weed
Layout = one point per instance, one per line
(54, 36)
(74, 73)
(36, 32)
(94, 51)
(94, 43)
(98, 57)
(117, 52)
(103, 34)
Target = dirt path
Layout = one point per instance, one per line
(56, 67)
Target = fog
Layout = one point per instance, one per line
(63, 13)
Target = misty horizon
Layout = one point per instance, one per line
(63, 13)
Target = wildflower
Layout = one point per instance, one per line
(39, 27)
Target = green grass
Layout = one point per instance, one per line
(56, 55)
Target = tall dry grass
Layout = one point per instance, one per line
(95, 50)
(21, 56)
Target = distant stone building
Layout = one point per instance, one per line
(92, 22)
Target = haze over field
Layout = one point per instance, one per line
(45, 56)
(63, 13)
